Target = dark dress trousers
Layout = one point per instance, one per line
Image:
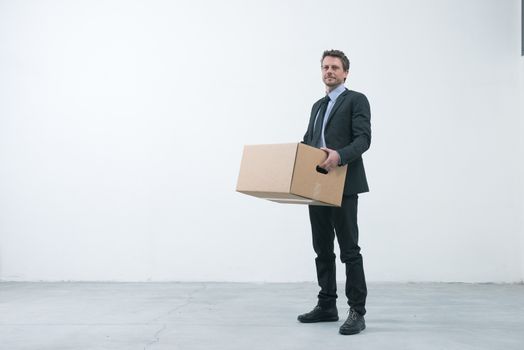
(348, 131)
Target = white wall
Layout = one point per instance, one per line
(122, 125)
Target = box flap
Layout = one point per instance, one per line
(285, 198)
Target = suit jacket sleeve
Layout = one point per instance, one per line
(360, 130)
(306, 136)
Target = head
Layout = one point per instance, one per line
(335, 68)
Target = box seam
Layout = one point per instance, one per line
(294, 168)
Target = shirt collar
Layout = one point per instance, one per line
(333, 95)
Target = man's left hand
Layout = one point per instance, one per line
(332, 161)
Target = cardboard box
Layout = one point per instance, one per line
(287, 173)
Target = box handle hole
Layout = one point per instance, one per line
(321, 170)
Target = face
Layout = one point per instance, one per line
(333, 73)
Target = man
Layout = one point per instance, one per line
(339, 125)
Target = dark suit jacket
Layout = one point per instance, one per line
(348, 130)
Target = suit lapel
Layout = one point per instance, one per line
(312, 121)
(338, 103)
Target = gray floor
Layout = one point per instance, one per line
(254, 316)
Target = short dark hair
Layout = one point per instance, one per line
(339, 54)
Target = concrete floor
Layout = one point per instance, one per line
(254, 316)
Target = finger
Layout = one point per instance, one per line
(331, 163)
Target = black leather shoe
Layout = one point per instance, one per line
(354, 324)
(319, 314)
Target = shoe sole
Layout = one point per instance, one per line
(351, 333)
(332, 319)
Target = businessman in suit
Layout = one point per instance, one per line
(339, 125)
